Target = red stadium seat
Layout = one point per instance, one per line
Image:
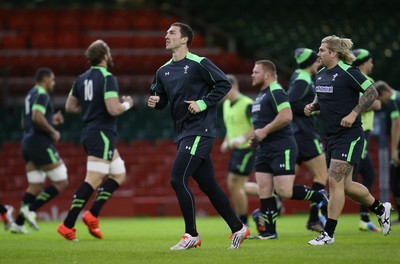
(94, 20)
(19, 20)
(118, 21)
(143, 21)
(14, 42)
(165, 22)
(142, 42)
(68, 40)
(45, 21)
(86, 40)
(69, 20)
(117, 41)
(198, 41)
(43, 40)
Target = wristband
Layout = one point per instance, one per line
(126, 105)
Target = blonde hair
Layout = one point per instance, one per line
(342, 46)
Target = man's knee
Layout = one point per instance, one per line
(61, 185)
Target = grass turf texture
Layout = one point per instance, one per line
(147, 240)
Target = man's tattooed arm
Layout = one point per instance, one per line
(366, 100)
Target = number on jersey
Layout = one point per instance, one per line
(88, 90)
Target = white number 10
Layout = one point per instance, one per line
(88, 90)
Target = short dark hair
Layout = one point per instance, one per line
(381, 86)
(41, 73)
(96, 51)
(267, 65)
(186, 31)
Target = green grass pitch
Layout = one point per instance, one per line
(147, 240)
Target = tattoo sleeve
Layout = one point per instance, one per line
(339, 170)
(366, 100)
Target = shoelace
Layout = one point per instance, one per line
(184, 241)
(94, 224)
(71, 235)
(320, 237)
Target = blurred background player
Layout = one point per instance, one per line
(277, 152)
(302, 92)
(7, 215)
(94, 94)
(366, 168)
(239, 129)
(193, 86)
(338, 88)
(391, 99)
(41, 158)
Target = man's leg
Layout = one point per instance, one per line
(236, 186)
(204, 176)
(57, 173)
(395, 186)
(317, 168)
(97, 169)
(184, 166)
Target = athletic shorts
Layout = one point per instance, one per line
(99, 143)
(241, 161)
(348, 146)
(39, 150)
(278, 158)
(196, 145)
(309, 148)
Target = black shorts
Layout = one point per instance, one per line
(279, 159)
(309, 148)
(196, 145)
(241, 161)
(348, 146)
(99, 143)
(39, 150)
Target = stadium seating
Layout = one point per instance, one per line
(57, 39)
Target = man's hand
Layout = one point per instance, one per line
(55, 135)
(260, 134)
(308, 109)
(348, 120)
(128, 100)
(224, 146)
(58, 118)
(153, 100)
(193, 107)
(253, 143)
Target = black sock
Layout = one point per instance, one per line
(243, 219)
(27, 199)
(104, 193)
(269, 212)
(49, 193)
(3, 209)
(301, 192)
(364, 214)
(330, 226)
(377, 207)
(314, 217)
(78, 202)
